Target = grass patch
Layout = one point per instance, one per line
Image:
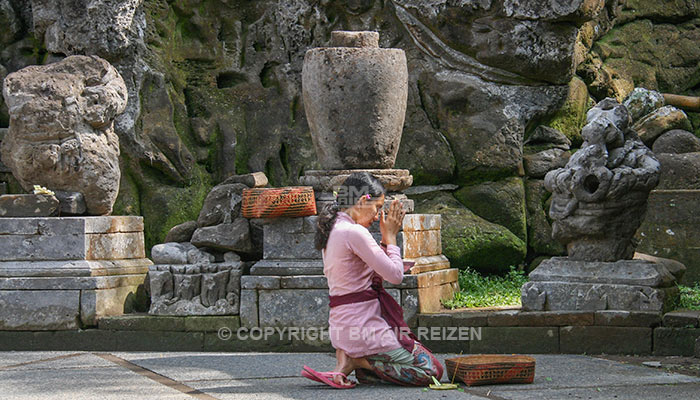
(690, 297)
(477, 290)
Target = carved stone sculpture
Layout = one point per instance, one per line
(599, 199)
(61, 133)
(188, 289)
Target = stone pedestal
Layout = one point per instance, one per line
(65, 273)
(325, 181)
(643, 284)
(288, 283)
(671, 229)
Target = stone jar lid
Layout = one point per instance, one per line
(355, 95)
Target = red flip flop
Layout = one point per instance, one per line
(325, 377)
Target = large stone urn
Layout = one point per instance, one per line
(355, 99)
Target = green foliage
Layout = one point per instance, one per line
(690, 297)
(487, 291)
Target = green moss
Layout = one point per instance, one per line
(571, 118)
(471, 241)
(501, 202)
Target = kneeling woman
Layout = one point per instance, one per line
(366, 324)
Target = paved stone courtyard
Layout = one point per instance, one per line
(86, 375)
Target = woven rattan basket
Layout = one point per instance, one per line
(485, 369)
(294, 201)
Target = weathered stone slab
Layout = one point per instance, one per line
(509, 340)
(27, 205)
(422, 243)
(70, 225)
(438, 319)
(279, 245)
(291, 307)
(115, 246)
(422, 222)
(304, 282)
(504, 318)
(470, 318)
(73, 268)
(260, 282)
(429, 263)
(682, 319)
(142, 322)
(111, 224)
(42, 247)
(605, 339)
(553, 296)
(394, 180)
(287, 267)
(249, 308)
(71, 283)
(437, 278)
(625, 272)
(675, 341)
(408, 282)
(28, 310)
(212, 323)
(627, 318)
(98, 303)
(556, 318)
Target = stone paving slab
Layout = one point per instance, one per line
(132, 375)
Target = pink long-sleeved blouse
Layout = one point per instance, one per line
(350, 259)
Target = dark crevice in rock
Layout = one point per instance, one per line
(229, 79)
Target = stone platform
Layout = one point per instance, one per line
(65, 273)
(645, 283)
(288, 282)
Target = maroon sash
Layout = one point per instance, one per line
(391, 310)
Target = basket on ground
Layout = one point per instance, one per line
(294, 201)
(485, 369)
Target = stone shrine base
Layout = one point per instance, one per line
(64, 273)
(645, 283)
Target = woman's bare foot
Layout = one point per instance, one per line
(347, 365)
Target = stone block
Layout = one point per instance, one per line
(437, 278)
(252, 180)
(605, 339)
(556, 318)
(74, 268)
(111, 224)
(408, 282)
(422, 243)
(409, 303)
(27, 205)
(673, 207)
(509, 340)
(304, 282)
(171, 253)
(70, 203)
(442, 320)
(42, 247)
(623, 272)
(428, 263)
(422, 222)
(233, 236)
(95, 304)
(504, 318)
(697, 348)
(29, 310)
(648, 319)
(211, 323)
(470, 318)
(396, 294)
(260, 282)
(287, 267)
(682, 319)
(310, 224)
(430, 298)
(182, 232)
(160, 341)
(115, 246)
(563, 296)
(249, 308)
(71, 282)
(281, 226)
(279, 245)
(294, 307)
(675, 341)
(141, 322)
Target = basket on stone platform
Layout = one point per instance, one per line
(486, 369)
(293, 201)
